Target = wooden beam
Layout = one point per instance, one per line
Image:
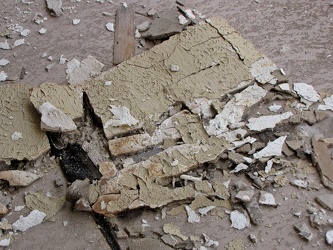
(124, 42)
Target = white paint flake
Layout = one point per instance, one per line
(42, 31)
(192, 217)
(204, 210)
(33, 219)
(274, 107)
(182, 20)
(18, 42)
(306, 91)
(265, 122)
(239, 167)
(261, 71)
(3, 62)
(3, 76)
(285, 86)
(273, 148)
(76, 21)
(268, 167)
(16, 136)
(239, 220)
(4, 45)
(25, 32)
(121, 116)
(110, 27)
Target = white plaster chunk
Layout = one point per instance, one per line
(299, 183)
(79, 72)
(143, 26)
(4, 45)
(273, 148)
(3, 62)
(121, 116)
(189, 14)
(182, 20)
(267, 122)
(3, 76)
(174, 68)
(284, 86)
(306, 91)
(110, 27)
(192, 217)
(33, 219)
(274, 107)
(204, 210)
(261, 71)
(76, 21)
(5, 241)
(137, 34)
(266, 198)
(239, 220)
(42, 31)
(55, 120)
(239, 167)
(268, 167)
(16, 136)
(328, 104)
(329, 237)
(233, 111)
(25, 32)
(18, 42)
(245, 195)
(62, 59)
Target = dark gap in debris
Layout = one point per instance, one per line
(146, 154)
(89, 112)
(107, 231)
(75, 163)
(130, 214)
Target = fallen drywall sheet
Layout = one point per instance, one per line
(21, 136)
(209, 67)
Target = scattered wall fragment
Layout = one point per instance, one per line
(17, 178)
(33, 219)
(267, 122)
(55, 7)
(239, 220)
(306, 91)
(17, 114)
(273, 148)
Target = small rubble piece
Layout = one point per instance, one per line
(137, 34)
(110, 27)
(174, 68)
(274, 107)
(307, 92)
(169, 240)
(329, 237)
(44, 203)
(3, 62)
(182, 20)
(147, 243)
(325, 200)
(321, 158)
(5, 240)
(33, 219)
(261, 70)
(4, 45)
(239, 220)
(273, 148)
(299, 183)
(17, 178)
(143, 26)
(253, 238)
(151, 12)
(239, 167)
(76, 21)
(209, 242)
(3, 76)
(16, 136)
(55, 7)
(42, 31)
(266, 198)
(18, 42)
(25, 32)
(62, 59)
(79, 72)
(192, 217)
(3, 210)
(245, 195)
(328, 104)
(267, 122)
(304, 231)
(235, 245)
(54, 120)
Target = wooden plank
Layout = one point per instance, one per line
(124, 45)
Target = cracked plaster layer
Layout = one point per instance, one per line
(67, 98)
(17, 114)
(213, 60)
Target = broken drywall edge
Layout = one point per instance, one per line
(33, 219)
(239, 220)
(267, 122)
(54, 120)
(261, 71)
(306, 91)
(273, 148)
(192, 217)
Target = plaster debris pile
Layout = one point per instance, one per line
(178, 139)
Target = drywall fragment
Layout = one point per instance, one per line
(5, 240)
(44, 203)
(306, 91)
(130, 144)
(284, 86)
(304, 231)
(172, 229)
(203, 211)
(3, 62)
(182, 20)
(3, 76)
(67, 98)
(233, 111)
(321, 158)
(18, 43)
(267, 122)
(110, 27)
(239, 220)
(274, 107)
(325, 200)
(192, 217)
(5, 45)
(33, 219)
(143, 26)
(54, 120)
(273, 148)
(18, 178)
(245, 195)
(80, 72)
(55, 7)
(239, 167)
(169, 240)
(299, 183)
(42, 31)
(328, 104)
(266, 198)
(121, 116)
(261, 70)
(76, 21)
(329, 237)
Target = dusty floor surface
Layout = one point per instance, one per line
(297, 36)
